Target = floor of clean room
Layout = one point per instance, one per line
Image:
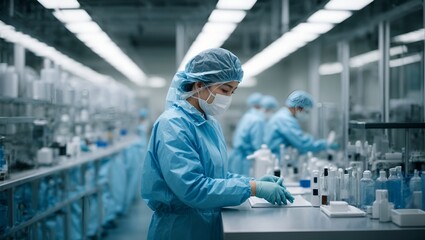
(134, 225)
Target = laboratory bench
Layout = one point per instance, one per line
(244, 222)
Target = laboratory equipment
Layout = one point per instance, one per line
(388, 145)
(384, 207)
(394, 189)
(276, 168)
(367, 190)
(262, 161)
(381, 181)
(315, 198)
(341, 209)
(324, 181)
(408, 217)
(415, 190)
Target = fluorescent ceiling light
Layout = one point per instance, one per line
(51, 4)
(347, 4)
(330, 68)
(249, 82)
(72, 15)
(373, 56)
(317, 28)
(405, 60)
(329, 16)
(236, 4)
(301, 36)
(234, 16)
(83, 27)
(43, 50)
(157, 82)
(410, 37)
(365, 58)
(219, 27)
(98, 37)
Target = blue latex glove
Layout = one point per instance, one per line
(333, 146)
(287, 193)
(272, 192)
(269, 178)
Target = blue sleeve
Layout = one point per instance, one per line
(183, 172)
(297, 138)
(257, 134)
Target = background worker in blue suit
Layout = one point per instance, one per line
(185, 179)
(284, 127)
(269, 105)
(248, 136)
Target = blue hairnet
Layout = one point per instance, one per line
(143, 113)
(269, 102)
(254, 99)
(216, 65)
(299, 98)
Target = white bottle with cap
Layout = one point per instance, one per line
(315, 197)
(384, 207)
(375, 206)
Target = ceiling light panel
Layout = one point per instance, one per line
(72, 15)
(313, 28)
(233, 16)
(83, 27)
(329, 16)
(347, 4)
(53, 4)
(236, 4)
(410, 37)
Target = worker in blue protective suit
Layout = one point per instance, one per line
(248, 136)
(284, 127)
(269, 105)
(185, 179)
(142, 128)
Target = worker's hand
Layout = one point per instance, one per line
(272, 192)
(333, 146)
(269, 178)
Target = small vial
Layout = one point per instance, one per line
(324, 188)
(276, 169)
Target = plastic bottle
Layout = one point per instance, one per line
(315, 197)
(367, 189)
(405, 194)
(394, 188)
(384, 213)
(332, 185)
(339, 182)
(375, 205)
(354, 188)
(415, 190)
(324, 187)
(345, 187)
(381, 181)
(262, 160)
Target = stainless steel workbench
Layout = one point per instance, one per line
(244, 222)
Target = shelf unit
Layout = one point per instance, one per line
(34, 177)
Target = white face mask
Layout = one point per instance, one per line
(302, 116)
(219, 105)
